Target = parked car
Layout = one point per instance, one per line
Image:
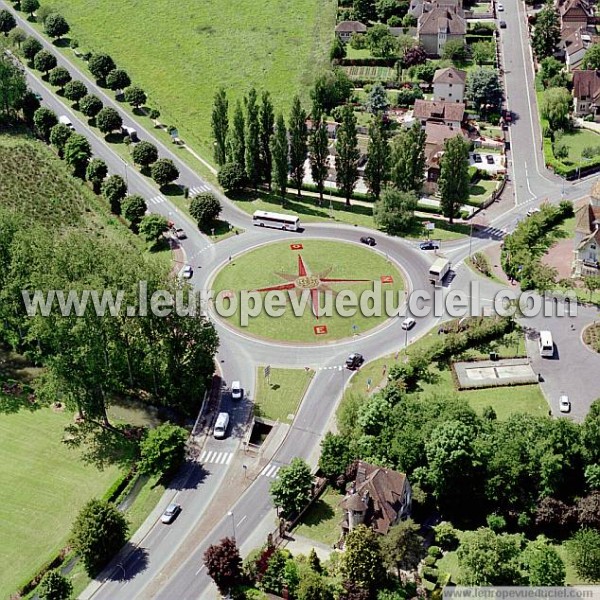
(171, 513)
(186, 272)
(64, 120)
(490, 159)
(429, 245)
(477, 158)
(533, 211)
(236, 390)
(564, 404)
(408, 323)
(354, 361)
(180, 234)
(500, 7)
(502, 24)
(369, 241)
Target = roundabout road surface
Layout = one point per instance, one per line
(167, 563)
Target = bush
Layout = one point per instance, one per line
(480, 261)
(430, 573)
(434, 551)
(446, 536)
(429, 561)
(164, 171)
(205, 208)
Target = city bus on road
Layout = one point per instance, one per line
(262, 218)
(546, 344)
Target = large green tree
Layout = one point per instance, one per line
(12, 86)
(75, 91)
(591, 60)
(453, 184)
(331, 89)
(90, 105)
(162, 450)
(108, 120)
(252, 138)
(164, 171)
(144, 154)
(484, 90)
(7, 22)
(134, 208)
(117, 80)
(44, 61)
(114, 189)
(377, 169)
(77, 153)
(362, 561)
(318, 145)
(98, 533)
(408, 159)
(347, 154)
(96, 173)
(394, 212)
(44, 120)
(584, 553)
(135, 96)
(490, 559)
(402, 547)
(298, 133)
(54, 586)
(236, 144)
(280, 155)
(335, 455)
(205, 208)
(543, 564)
(31, 46)
(56, 26)
(152, 227)
(30, 6)
(266, 121)
(546, 34)
(555, 106)
(291, 490)
(100, 65)
(220, 125)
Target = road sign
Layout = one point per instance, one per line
(267, 370)
(429, 225)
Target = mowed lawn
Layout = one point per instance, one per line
(278, 264)
(181, 52)
(43, 485)
(279, 397)
(577, 140)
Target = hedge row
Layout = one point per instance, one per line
(368, 62)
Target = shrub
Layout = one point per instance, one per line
(429, 561)
(446, 536)
(434, 551)
(480, 261)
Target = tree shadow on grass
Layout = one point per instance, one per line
(319, 512)
(135, 563)
(62, 42)
(114, 138)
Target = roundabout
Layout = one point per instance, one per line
(324, 290)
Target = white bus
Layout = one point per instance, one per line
(438, 271)
(262, 218)
(546, 344)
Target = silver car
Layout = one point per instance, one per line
(172, 511)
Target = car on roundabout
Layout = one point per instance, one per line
(429, 245)
(408, 323)
(186, 272)
(368, 240)
(354, 361)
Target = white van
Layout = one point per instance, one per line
(221, 425)
(546, 344)
(64, 120)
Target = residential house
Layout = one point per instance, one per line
(436, 135)
(449, 85)
(418, 7)
(378, 498)
(575, 13)
(448, 113)
(331, 126)
(586, 93)
(574, 44)
(345, 29)
(586, 259)
(439, 25)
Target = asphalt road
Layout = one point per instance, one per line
(142, 574)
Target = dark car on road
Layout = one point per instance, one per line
(429, 245)
(477, 158)
(502, 24)
(369, 241)
(490, 159)
(354, 361)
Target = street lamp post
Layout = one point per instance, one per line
(230, 514)
(126, 177)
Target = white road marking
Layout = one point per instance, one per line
(241, 520)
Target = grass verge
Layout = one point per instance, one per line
(278, 399)
(321, 522)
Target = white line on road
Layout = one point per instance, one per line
(241, 520)
(200, 569)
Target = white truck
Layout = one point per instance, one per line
(438, 270)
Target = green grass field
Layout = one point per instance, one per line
(260, 268)
(279, 399)
(180, 53)
(481, 191)
(321, 522)
(577, 140)
(43, 485)
(504, 400)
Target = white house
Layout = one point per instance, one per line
(586, 259)
(449, 85)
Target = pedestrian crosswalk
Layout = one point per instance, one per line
(157, 200)
(194, 191)
(216, 458)
(493, 232)
(271, 470)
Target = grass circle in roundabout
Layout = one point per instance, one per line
(316, 272)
